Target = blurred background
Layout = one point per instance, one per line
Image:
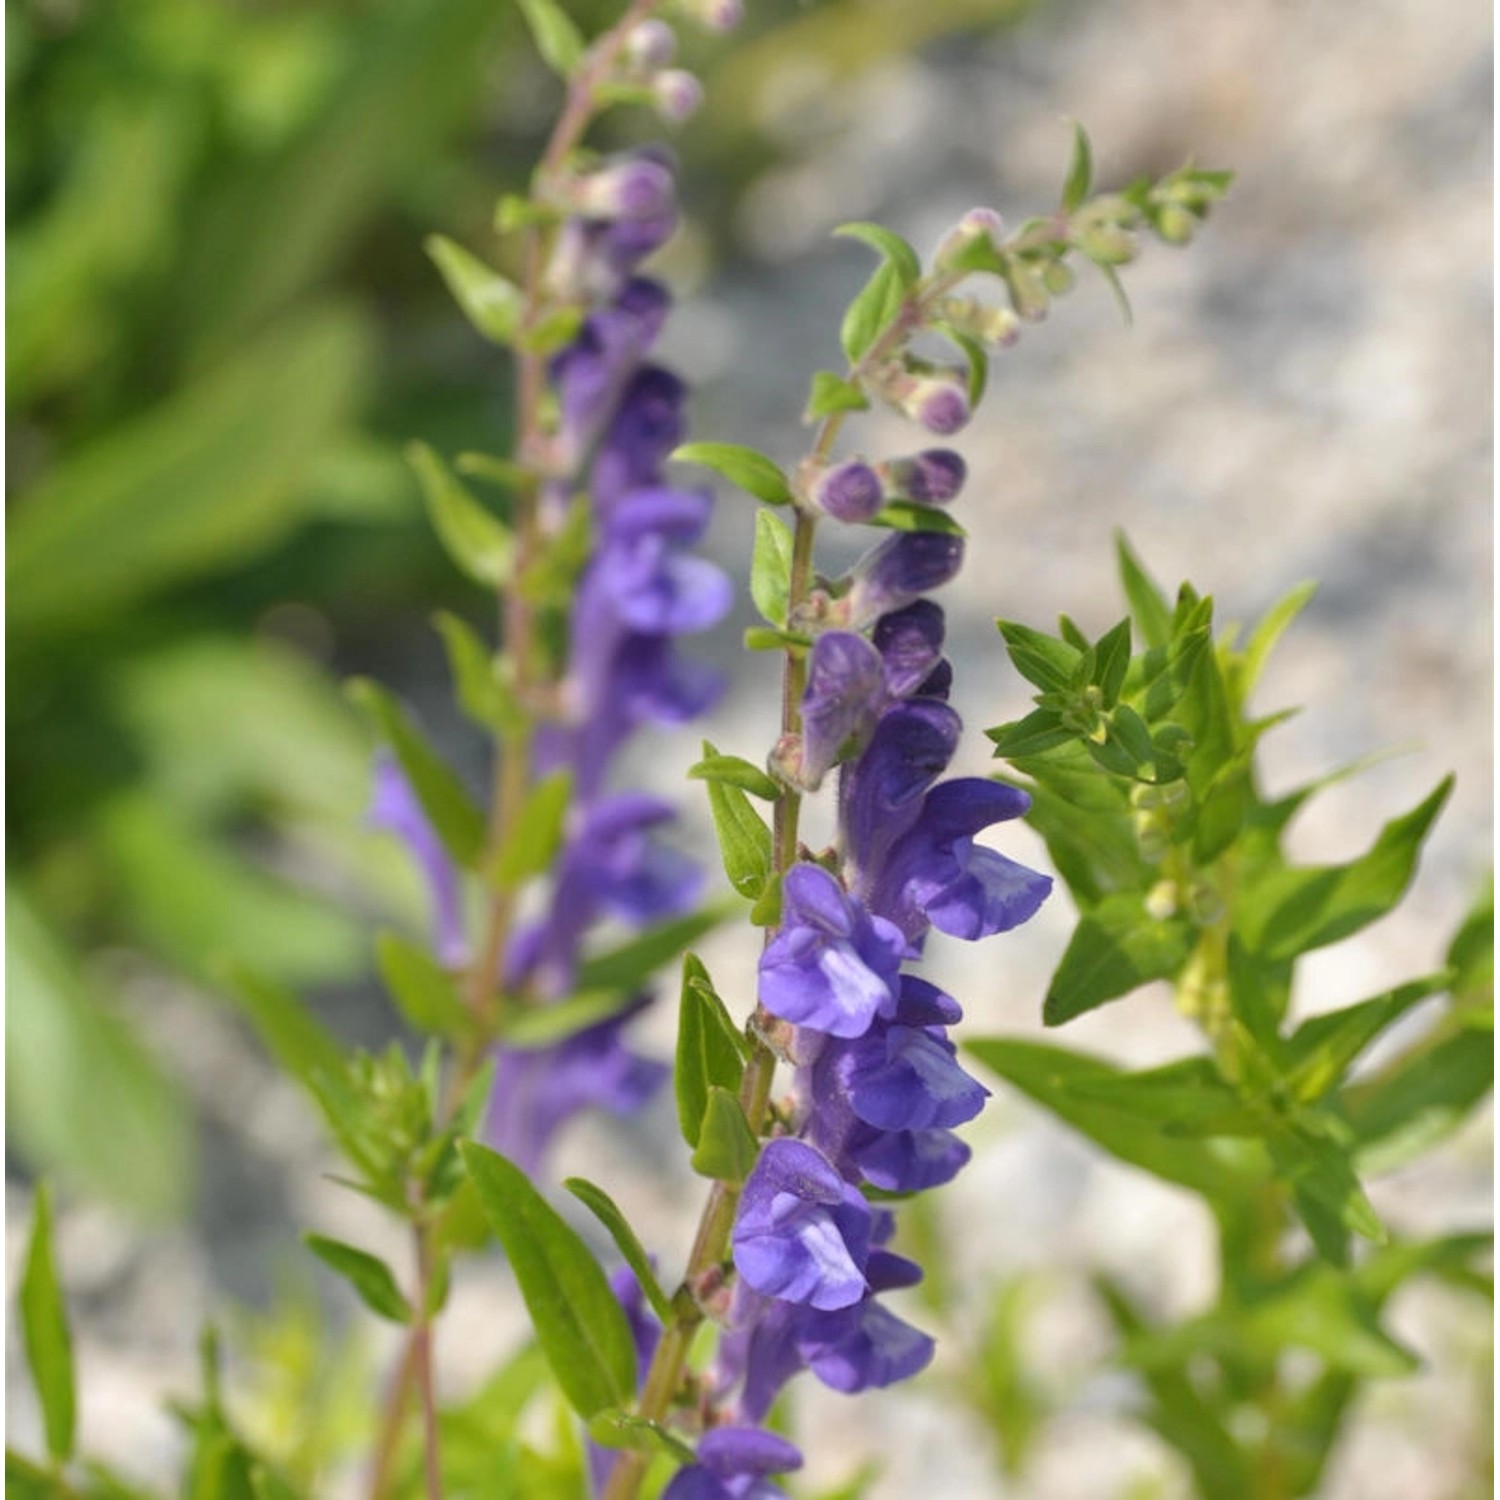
(222, 330)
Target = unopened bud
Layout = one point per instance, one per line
(1174, 225)
(849, 491)
(678, 94)
(1028, 290)
(976, 225)
(633, 189)
(901, 570)
(997, 326)
(937, 398)
(932, 477)
(650, 45)
(717, 15)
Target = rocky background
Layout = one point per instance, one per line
(1305, 393)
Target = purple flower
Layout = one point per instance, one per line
(733, 1463)
(831, 965)
(849, 491)
(880, 796)
(395, 808)
(910, 643)
(846, 689)
(935, 873)
(635, 187)
(611, 866)
(655, 587)
(538, 1090)
(899, 571)
(933, 477)
(941, 406)
(803, 1233)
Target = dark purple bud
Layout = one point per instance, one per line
(846, 688)
(717, 15)
(803, 1233)
(933, 477)
(637, 188)
(899, 571)
(849, 491)
(910, 643)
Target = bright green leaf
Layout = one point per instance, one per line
(734, 770)
(1116, 947)
(490, 302)
(44, 1331)
(607, 1211)
(370, 1277)
(423, 990)
(483, 693)
(771, 567)
(908, 515)
(478, 541)
(744, 838)
(872, 312)
(631, 964)
(727, 1148)
(580, 1325)
(890, 246)
(537, 833)
(743, 467)
(556, 35)
(1080, 176)
(831, 393)
(709, 1050)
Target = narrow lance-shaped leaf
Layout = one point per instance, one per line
(423, 991)
(1148, 606)
(735, 770)
(370, 1277)
(743, 467)
(477, 540)
(872, 311)
(580, 1325)
(708, 1050)
(557, 36)
(727, 1147)
(1080, 176)
(744, 838)
(538, 831)
(490, 302)
(483, 693)
(771, 567)
(607, 1211)
(629, 965)
(891, 247)
(44, 1330)
(448, 807)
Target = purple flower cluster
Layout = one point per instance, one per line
(878, 1089)
(618, 416)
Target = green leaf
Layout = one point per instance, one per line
(459, 824)
(1040, 731)
(483, 693)
(1268, 631)
(581, 1327)
(537, 834)
(908, 515)
(623, 1429)
(1471, 954)
(766, 910)
(370, 1277)
(490, 302)
(530, 1026)
(423, 990)
(604, 1208)
(25, 1480)
(1321, 1049)
(1148, 605)
(1111, 662)
(1080, 176)
(1048, 663)
(890, 246)
(44, 1330)
(734, 770)
(84, 1098)
(1116, 947)
(632, 963)
(1187, 1097)
(709, 1049)
(743, 467)
(197, 484)
(831, 393)
(478, 541)
(1327, 1194)
(302, 1047)
(771, 567)
(1057, 1079)
(744, 838)
(1295, 909)
(872, 312)
(727, 1147)
(556, 35)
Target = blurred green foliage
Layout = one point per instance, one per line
(223, 328)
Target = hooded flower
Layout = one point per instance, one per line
(831, 965)
(733, 1463)
(803, 1233)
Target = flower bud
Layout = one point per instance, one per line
(977, 224)
(1174, 224)
(650, 45)
(937, 398)
(716, 15)
(932, 477)
(997, 326)
(849, 491)
(678, 94)
(637, 188)
(899, 571)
